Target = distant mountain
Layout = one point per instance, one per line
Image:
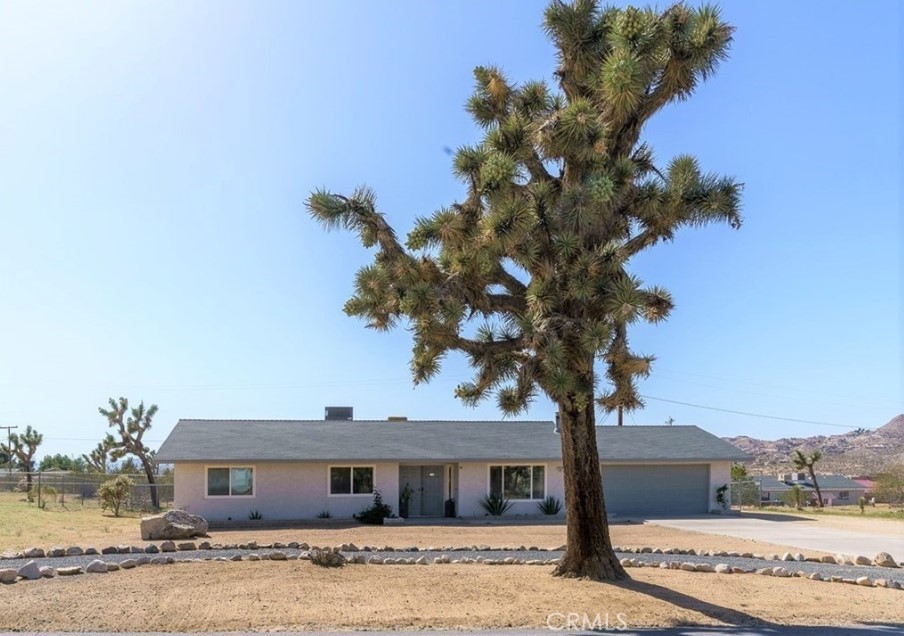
(860, 452)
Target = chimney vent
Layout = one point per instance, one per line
(339, 413)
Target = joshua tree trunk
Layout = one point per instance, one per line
(815, 485)
(588, 553)
(152, 483)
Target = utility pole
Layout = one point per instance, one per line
(620, 415)
(9, 448)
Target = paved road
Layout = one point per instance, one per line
(793, 531)
(874, 630)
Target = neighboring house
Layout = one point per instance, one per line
(771, 489)
(836, 490)
(295, 469)
(868, 484)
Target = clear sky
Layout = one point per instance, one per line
(155, 157)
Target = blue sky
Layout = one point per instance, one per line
(155, 157)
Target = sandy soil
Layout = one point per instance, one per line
(297, 595)
(893, 527)
(633, 535)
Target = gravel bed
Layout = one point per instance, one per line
(825, 569)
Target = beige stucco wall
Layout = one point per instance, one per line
(290, 490)
(719, 474)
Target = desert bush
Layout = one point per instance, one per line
(376, 512)
(324, 514)
(113, 493)
(255, 515)
(550, 506)
(496, 505)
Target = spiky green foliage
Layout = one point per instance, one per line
(23, 447)
(807, 462)
(528, 276)
(130, 426)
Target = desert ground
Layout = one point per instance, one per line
(296, 595)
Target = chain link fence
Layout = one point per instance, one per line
(67, 488)
(746, 494)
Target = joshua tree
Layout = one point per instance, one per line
(130, 429)
(23, 448)
(802, 462)
(98, 458)
(528, 276)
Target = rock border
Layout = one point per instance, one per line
(31, 570)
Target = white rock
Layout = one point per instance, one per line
(34, 553)
(128, 564)
(862, 560)
(173, 524)
(8, 575)
(865, 581)
(723, 568)
(47, 572)
(96, 567)
(69, 571)
(30, 571)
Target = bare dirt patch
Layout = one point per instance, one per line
(297, 595)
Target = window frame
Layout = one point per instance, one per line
(844, 494)
(531, 465)
(230, 467)
(351, 468)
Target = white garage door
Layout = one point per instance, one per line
(656, 490)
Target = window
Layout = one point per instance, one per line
(230, 482)
(843, 494)
(351, 480)
(518, 482)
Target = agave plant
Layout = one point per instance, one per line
(550, 506)
(496, 505)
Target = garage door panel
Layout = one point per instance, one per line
(656, 490)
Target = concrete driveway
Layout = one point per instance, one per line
(805, 534)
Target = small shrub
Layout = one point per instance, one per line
(327, 558)
(113, 493)
(496, 505)
(550, 506)
(255, 515)
(377, 511)
(720, 496)
(47, 493)
(324, 514)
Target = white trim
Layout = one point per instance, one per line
(253, 468)
(531, 464)
(329, 481)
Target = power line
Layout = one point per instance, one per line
(768, 417)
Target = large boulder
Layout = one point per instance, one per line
(173, 524)
(885, 560)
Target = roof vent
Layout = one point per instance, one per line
(397, 418)
(339, 413)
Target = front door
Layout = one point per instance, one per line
(426, 483)
(432, 495)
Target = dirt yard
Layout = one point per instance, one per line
(296, 595)
(61, 529)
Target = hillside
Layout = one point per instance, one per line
(856, 452)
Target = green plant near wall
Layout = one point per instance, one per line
(550, 506)
(255, 515)
(495, 504)
(720, 496)
(324, 514)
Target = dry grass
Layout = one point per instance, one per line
(296, 595)
(23, 524)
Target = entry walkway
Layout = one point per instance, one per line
(799, 532)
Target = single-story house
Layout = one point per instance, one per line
(771, 489)
(836, 490)
(288, 470)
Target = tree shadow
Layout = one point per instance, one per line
(710, 610)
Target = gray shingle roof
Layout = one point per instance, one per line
(319, 440)
(836, 482)
(771, 484)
